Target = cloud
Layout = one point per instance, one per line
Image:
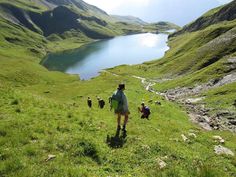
(224, 1)
(110, 6)
(179, 12)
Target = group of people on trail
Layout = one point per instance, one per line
(101, 102)
(118, 101)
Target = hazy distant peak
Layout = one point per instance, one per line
(129, 19)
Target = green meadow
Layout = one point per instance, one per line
(45, 117)
(45, 113)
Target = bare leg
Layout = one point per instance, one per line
(118, 119)
(126, 119)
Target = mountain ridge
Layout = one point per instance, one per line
(129, 19)
(223, 13)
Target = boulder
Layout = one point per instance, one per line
(50, 157)
(161, 163)
(185, 139)
(220, 150)
(218, 139)
(193, 135)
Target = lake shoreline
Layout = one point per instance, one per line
(127, 49)
(92, 41)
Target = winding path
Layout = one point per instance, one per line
(186, 97)
(194, 116)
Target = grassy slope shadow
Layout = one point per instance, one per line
(118, 140)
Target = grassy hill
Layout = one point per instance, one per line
(43, 119)
(44, 114)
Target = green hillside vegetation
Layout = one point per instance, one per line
(162, 26)
(196, 59)
(44, 113)
(19, 42)
(51, 118)
(26, 4)
(129, 19)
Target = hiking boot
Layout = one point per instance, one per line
(124, 129)
(118, 128)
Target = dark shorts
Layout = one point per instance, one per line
(122, 112)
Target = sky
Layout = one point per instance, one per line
(180, 12)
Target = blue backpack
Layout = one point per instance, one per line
(147, 110)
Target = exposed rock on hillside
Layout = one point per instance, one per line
(51, 22)
(220, 150)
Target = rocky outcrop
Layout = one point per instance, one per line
(220, 150)
(198, 112)
(191, 99)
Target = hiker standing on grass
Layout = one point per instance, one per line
(101, 103)
(120, 105)
(89, 102)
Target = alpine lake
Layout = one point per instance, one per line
(90, 59)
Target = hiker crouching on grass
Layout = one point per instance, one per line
(120, 105)
(145, 111)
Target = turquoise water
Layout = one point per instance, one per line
(89, 60)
